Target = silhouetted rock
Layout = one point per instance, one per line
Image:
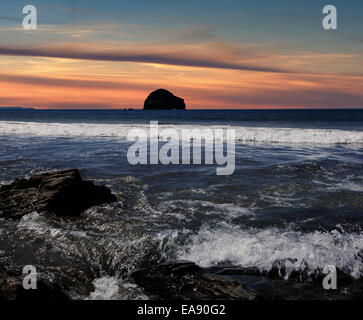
(63, 193)
(11, 288)
(187, 281)
(162, 99)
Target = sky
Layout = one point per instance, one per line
(213, 53)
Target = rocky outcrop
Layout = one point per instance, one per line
(63, 193)
(187, 281)
(11, 288)
(162, 99)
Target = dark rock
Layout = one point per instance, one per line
(11, 288)
(63, 193)
(187, 281)
(162, 99)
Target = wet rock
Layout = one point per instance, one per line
(11, 288)
(187, 281)
(169, 281)
(63, 193)
(162, 99)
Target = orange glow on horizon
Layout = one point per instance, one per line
(43, 83)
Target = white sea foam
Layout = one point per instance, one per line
(347, 185)
(35, 223)
(112, 288)
(106, 288)
(228, 210)
(263, 248)
(243, 134)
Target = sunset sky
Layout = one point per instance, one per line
(213, 53)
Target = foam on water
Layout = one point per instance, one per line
(33, 222)
(264, 248)
(106, 288)
(227, 210)
(113, 288)
(347, 185)
(243, 134)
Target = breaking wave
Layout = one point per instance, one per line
(243, 133)
(272, 247)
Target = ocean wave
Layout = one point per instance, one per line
(264, 249)
(243, 133)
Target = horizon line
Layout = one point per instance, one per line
(209, 109)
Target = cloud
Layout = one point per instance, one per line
(292, 97)
(175, 59)
(67, 82)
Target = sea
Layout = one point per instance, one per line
(294, 201)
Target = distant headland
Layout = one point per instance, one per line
(162, 99)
